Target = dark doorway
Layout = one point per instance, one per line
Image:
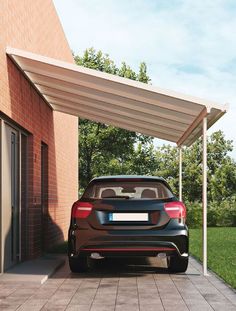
(24, 160)
(44, 195)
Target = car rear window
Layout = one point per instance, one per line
(127, 189)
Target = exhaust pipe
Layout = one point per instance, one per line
(96, 256)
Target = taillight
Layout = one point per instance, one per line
(175, 210)
(81, 209)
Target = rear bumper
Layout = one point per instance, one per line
(128, 251)
(128, 243)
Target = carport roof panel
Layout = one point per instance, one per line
(117, 101)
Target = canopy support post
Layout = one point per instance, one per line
(180, 173)
(204, 195)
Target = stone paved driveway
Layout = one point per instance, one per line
(121, 285)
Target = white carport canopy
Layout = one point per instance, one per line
(124, 103)
(117, 101)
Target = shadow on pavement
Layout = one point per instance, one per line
(121, 267)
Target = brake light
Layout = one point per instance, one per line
(175, 210)
(81, 209)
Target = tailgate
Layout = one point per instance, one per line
(118, 214)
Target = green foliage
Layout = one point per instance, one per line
(194, 214)
(143, 161)
(221, 251)
(221, 168)
(168, 165)
(96, 60)
(222, 214)
(142, 75)
(219, 214)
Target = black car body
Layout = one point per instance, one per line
(128, 216)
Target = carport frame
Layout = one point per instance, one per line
(204, 191)
(34, 67)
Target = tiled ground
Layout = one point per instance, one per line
(121, 285)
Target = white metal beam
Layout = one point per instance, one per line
(180, 173)
(204, 195)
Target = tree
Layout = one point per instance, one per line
(167, 165)
(105, 149)
(221, 168)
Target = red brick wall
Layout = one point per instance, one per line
(34, 26)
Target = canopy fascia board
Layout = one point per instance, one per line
(122, 102)
(196, 122)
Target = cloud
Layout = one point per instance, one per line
(189, 46)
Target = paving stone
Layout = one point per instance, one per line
(36, 302)
(12, 300)
(147, 295)
(197, 307)
(126, 299)
(152, 307)
(25, 307)
(172, 306)
(78, 307)
(81, 300)
(7, 307)
(127, 307)
(106, 300)
(100, 307)
(122, 288)
(59, 302)
(52, 307)
(218, 306)
(150, 301)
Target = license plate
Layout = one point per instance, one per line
(128, 217)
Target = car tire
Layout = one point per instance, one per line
(177, 264)
(79, 264)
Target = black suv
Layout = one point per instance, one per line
(128, 216)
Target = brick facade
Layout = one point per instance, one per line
(34, 26)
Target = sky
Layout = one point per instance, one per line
(188, 46)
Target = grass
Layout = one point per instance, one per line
(221, 251)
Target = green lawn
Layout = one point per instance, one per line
(221, 251)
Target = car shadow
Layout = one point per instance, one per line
(122, 267)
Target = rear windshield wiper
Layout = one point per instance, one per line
(117, 197)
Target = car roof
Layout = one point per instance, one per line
(128, 177)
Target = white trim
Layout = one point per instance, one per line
(180, 173)
(204, 195)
